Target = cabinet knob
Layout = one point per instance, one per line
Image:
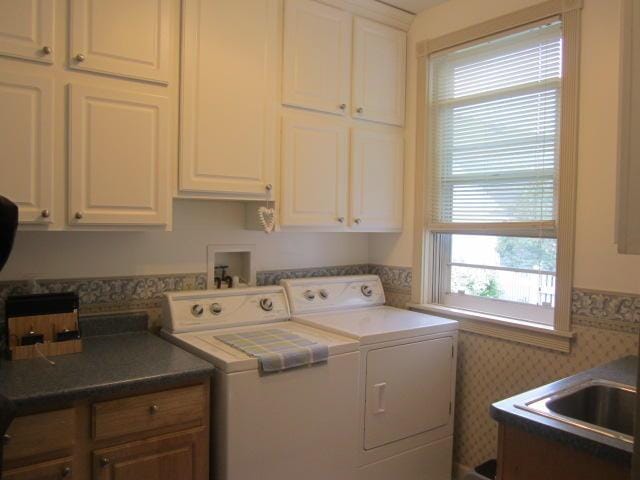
(153, 409)
(359, 109)
(104, 462)
(78, 215)
(343, 106)
(45, 213)
(66, 472)
(341, 219)
(6, 439)
(47, 50)
(268, 187)
(358, 221)
(80, 57)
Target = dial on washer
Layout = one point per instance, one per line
(266, 304)
(366, 290)
(215, 308)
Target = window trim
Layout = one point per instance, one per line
(569, 13)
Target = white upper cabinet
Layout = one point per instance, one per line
(228, 127)
(118, 157)
(376, 180)
(317, 57)
(27, 29)
(122, 37)
(314, 172)
(26, 143)
(379, 65)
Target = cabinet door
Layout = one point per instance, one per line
(228, 122)
(181, 456)
(122, 37)
(26, 142)
(26, 29)
(376, 180)
(379, 64)
(408, 390)
(314, 171)
(54, 470)
(317, 56)
(118, 157)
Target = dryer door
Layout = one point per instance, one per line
(408, 390)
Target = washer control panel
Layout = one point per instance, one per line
(309, 295)
(212, 309)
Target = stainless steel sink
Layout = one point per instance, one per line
(597, 405)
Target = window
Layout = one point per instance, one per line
(496, 158)
(495, 112)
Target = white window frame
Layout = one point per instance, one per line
(558, 336)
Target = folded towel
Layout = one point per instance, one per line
(277, 349)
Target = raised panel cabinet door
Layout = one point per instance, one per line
(26, 29)
(26, 143)
(179, 456)
(376, 179)
(317, 56)
(122, 37)
(60, 469)
(228, 118)
(314, 171)
(118, 157)
(379, 72)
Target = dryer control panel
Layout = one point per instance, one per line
(324, 294)
(198, 310)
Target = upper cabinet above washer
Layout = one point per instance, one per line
(317, 56)
(324, 70)
(26, 29)
(379, 64)
(121, 37)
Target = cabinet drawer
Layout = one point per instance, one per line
(60, 469)
(44, 435)
(183, 407)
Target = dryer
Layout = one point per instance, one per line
(298, 423)
(406, 381)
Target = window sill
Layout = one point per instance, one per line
(501, 327)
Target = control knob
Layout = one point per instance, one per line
(324, 294)
(266, 304)
(309, 295)
(197, 310)
(366, 290)
(215, 308)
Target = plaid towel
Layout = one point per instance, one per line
(277, 349)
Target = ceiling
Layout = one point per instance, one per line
(413, 6)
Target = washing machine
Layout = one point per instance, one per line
(294, 424)
(406, 378)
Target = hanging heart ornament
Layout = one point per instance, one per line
(267, 217)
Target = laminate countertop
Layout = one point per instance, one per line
(622, 371)
(126, 363)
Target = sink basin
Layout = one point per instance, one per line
(598, 406)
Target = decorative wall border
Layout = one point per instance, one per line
(592, 308)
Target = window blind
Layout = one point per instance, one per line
(495, 113)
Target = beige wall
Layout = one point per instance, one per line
(196, 224)
(597, 265)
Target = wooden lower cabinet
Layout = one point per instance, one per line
(169, 457)
(165, 437)
(525, 456)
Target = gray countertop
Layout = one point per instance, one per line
(109, 366)
(621, 371)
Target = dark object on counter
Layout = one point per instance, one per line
(8, 227)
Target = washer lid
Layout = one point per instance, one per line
(229, 360)
(378, 324)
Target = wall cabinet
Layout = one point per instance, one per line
(314, 172)
(159, 435)
(317, 57)
(26, 142)
(27, 29)
(120, 37)
(379, 66)
(118, 157)
(377, 179)
(228, 134)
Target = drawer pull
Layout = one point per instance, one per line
(153, 409)
(6, 439)
(104, 462)
(66, 472)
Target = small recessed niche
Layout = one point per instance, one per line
(230, 266)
